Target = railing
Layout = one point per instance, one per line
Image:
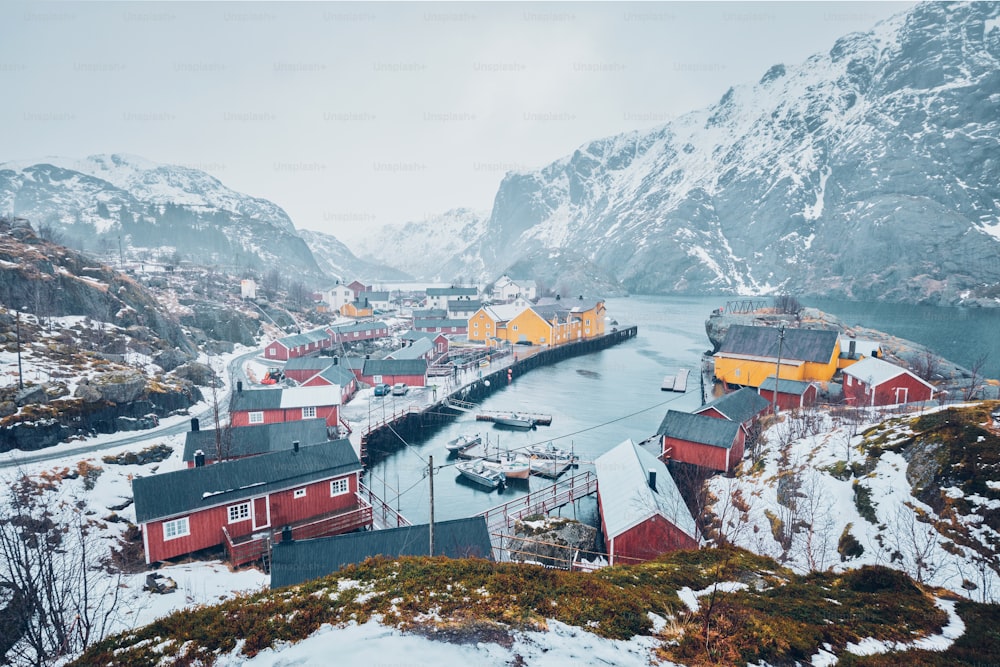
(501, 518)
(388, 517)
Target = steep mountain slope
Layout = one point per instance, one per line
(163, 208)
(337, 261)
(436, 248)
(869, 172)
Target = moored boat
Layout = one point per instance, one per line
(514, 420)
(512, 465)
(463, 442)
(476, 471)
(550, 451)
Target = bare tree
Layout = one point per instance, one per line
(787, 304)
(52, 561)
(916, 542)
(976, 379)
(927, 366)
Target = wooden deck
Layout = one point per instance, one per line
(677, 382)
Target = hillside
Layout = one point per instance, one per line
(693, 608)
(865, 172)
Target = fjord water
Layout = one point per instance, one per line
(598, 400)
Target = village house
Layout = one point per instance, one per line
(298, 345)
(236, 442)
(269, 406)
(244, 504)
(448, 326)
(413, 372)
(792, 394)
(378, 300)
(358, 331)
(430, 314)
(357, 309)
(749, 355)
(338, 296)
(743, 406)
(716, 444)
(440, 341)
(551, 324)
(357, 287)
(301, 369)
(248, 289)
(298, 561)
(421, 348)
(853, 350)
(874, 381)
(642, 512)
(506, 289)
(336, 376)
(438, 297)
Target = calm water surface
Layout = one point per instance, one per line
(599, 400)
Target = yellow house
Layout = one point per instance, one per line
(357, 309)
(549, 324)
(590, 320)
(749, 355)
(489, 323)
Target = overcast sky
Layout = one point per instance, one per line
(351, 115)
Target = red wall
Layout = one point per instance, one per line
(242, 417)
(705, 455)
(712, 412)
(206, 525)
(648, 540)
(790, 401)
(412, 380)
(276, 351)
(885, 393)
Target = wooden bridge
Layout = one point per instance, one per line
(500, 519)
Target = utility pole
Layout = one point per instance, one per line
(777, 372)
(430, 469)
(17, 329)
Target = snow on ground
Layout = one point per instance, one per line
(376, 644)
(938, 642)
(797, 467)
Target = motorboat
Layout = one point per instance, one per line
(463, 442)
(477, 472)
(514, 420)
(513, 465)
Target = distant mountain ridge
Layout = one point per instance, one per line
(867, 172)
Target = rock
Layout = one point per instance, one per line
(28, 395)
(7, 408)
(551, 541)
(198, 373)
(88, 393)
(121, 387)
(137, 424)
(170, 359)
(157, 583)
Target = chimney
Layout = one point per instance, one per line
(652, 479)
(286, 534)
(336, 361)
(852, 349)
(239, 386)
(195, 425)
(295, 446)
(199, 459)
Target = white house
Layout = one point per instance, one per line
(508, 289)
(338, 295)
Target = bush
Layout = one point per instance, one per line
(848, 545)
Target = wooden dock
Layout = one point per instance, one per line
(492, 415)
(677, 382)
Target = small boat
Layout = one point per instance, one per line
(550, 451)
(512, 465)
(477, 472)
(514, 420)
(463, 442)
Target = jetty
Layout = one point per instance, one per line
(676, 382)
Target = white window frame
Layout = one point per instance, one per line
(256, 417)
(299, 493)
(238, 512)
(339, 487)
(176, 528)
(309, 412)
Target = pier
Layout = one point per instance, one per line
(677, 382)
(389, 432)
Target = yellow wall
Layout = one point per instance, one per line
(753, 373)
(592, 319)
(350, 310)
(482, 327)
(529, 325)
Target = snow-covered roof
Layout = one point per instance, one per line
(626, 496)
(417, 349)
(874, 371)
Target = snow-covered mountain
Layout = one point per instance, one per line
(164, 208)
(869, 171)
(435, 248)
(337, 261)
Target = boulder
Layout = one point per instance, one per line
(121, 386)
(88, 393)
(30, 395)
(551, 541)
(170, 359)
(198, 373)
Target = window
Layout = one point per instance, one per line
(239, 512)
(270, 351)
(339, 487)
(256, 417)
(475, 325)
(299, 493)
(848, 380)
(515, 327)
(309, 413)
(176, 528)
(736, 372)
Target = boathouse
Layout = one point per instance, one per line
(241, 441)
(749, 355)
(743, 406)
(244, 504)
(390, 371)
(701, 440)
(642, 511)
(301, 560)
(874, 381)
(792, 394)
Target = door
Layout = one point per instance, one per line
(261, 512)
(901, 394)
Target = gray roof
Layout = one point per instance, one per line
(415, 350)
(699, 428)
(302, 560)
(739, 406)
(795, 387)
(814, 345)
(395, 367)
(430, 314)
(440, 323)
(626, 497)
(251, 440)
(255, 399)
(359, 327)
(337, 375)
(374, 296)
(299, 339)
(310, 363)
(464, 304)
(452, 291)
(184, 491)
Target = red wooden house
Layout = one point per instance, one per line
(874, 381)
(298, 345)
(455, 327)
(642, 511)
(440, 341)
(303, 368)
(791, 394)
(335, 376)
(743, 406)
(705, 441)
(244, 504)
(390, 371)
(358, 331)
(238, 442)
(269, 406)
